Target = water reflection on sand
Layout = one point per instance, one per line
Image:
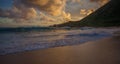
(105, 51)
(12, 42)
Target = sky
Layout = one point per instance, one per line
(6, 4)
(45, 12)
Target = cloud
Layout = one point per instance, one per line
(102, 2)
(67, 16)
(86, 12)
(27, 9)
(49, 11)
(75, 1)
(53, 7)
(3, 13)
(19, 12)
(25, 13)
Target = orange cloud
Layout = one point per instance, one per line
(86, 12)
(52, 10)
(27, 9)
(53, 7)
(102, 2)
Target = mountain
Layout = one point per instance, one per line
(108, 15)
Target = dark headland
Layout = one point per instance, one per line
(106, 16)
(105, 51)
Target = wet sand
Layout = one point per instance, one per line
(105, 51)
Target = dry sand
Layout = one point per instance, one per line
(105, 51)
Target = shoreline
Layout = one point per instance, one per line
(21, 42)
(101, 51)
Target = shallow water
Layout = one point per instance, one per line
(11, 42)
(104, 51)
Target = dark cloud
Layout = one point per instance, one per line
(28, 8)
(52, 10)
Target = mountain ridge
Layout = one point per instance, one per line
(108, 15)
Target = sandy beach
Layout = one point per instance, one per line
(14, 42)
(59, 32)
(105, 51)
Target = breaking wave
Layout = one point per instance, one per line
(14, 40)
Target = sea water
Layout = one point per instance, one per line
(26, 39)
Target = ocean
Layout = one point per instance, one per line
(14, 40)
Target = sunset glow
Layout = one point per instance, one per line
(45, 12)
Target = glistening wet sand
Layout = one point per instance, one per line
(105, 51)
